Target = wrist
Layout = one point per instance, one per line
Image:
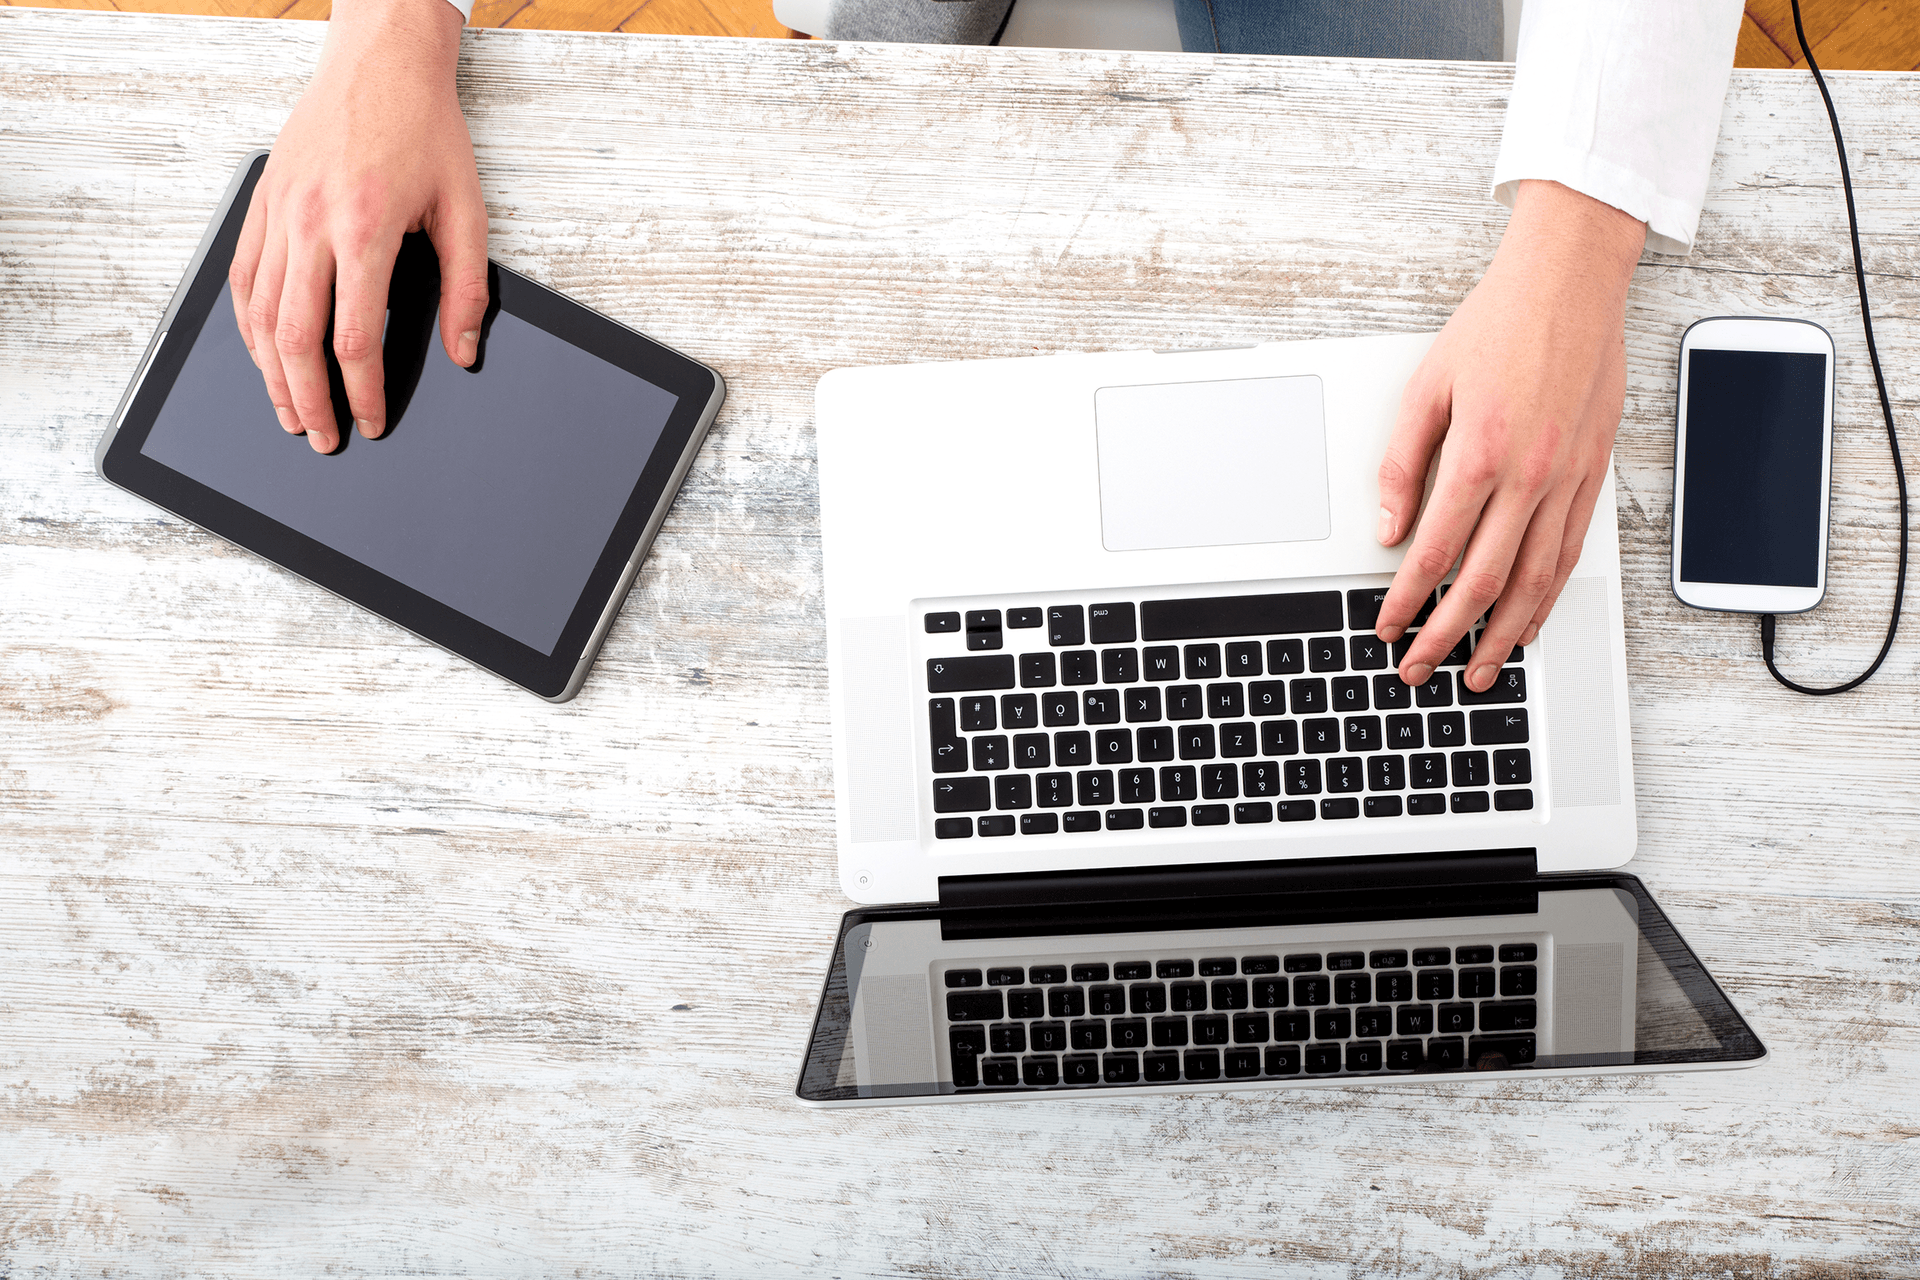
(1558, 229)
(409, 37)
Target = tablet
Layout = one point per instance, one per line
(505, 512)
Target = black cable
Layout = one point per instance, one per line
(1886, 406)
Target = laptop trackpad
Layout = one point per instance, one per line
(1212, 464)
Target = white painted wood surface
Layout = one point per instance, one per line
(323, 951)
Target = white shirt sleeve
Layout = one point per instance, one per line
(1620, 100)
(466, 10)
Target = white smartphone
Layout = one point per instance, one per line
(1752, 465)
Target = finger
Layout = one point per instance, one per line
(1494, 542)
(359, 321)
(1573, 538)
(300, 337)
(1460, 494)
(459, 234)
(246, 261)
(263, 314)
(1534, 567)
(1425, 411)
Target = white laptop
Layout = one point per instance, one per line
(1135, 796)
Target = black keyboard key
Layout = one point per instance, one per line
(1253, 811)
(1142, 705)
(1226, 701)
(1386, 960)
(1009, 1038)
(991, 753)
(1362, 733)
(1111, 623)
(1279, 738)
(1320, 737)
(1427, 772)
(1435, 984)
(1179, 783)
(1426, 957)
(949, 748)
(1101, 706)
(1500, 1053)
(1203, 661)
(1344, 807)
(964, 978)
(1457, 656)
(1162, 662)
(1283, 1060)
(1000, 1072)
(1155, 743)
(1238, 739)
(1304, 962)
(1220, 781)
(966, 1071)
(1243, 659)
(1346, 961)
(1105, 1001)
(1381, 806)
(1021, 619)
(1391, 693)
(1079, 666)
(1185, 702)
(1363, 607)
(1210, 1031)
(1455, 1019)
(1048, 1037)
(1001, 824)
(1066, 625)
(1136, 786)
(1066, 1002)
(975, 1006)
(1223, 617)
(1073, 750)
(1470, 769)
(1414, 1019)
(1173, 969)
(1047, 973)
(1386, 773)
(1446, 729)
(1196, 741)
(1161, 1068)
(1403, 1055)
(1476, 984)
(1088, 1035)
(1286, 657)
(1169, 1033)
(1020, 710)
(1189, 997)
(1520, 980)
(1241, 1064)
(1509, 685)
(1058, 709)
(1053, 790)
(1129, 970)
(1040, 1072)
(961, 795)
(1436, 692)
(1006, 977)
(1322, 1059)
(1427, 805)
(1203, 1064)
(1350, 693)
(1269, 993)
(1028, 1002)
(1468, 802)
(1293, 1024)
(1308, 992)
(1167, 816)
(1095, 787)
(1494, 727)
(1080, 1068)
(1519, 953)
(1509, 1015)
(1267, 698)
(965, 675)
(1147, 997)
(942, 622)
(1473, 955)
(1373, 1024)
(1365, 1055)
(1120, 1068)
(1395, 986)
(1128, 1033)
(1352, 988)
(1259, 964)
(1250, 1028)
(1032, 751)
(1367, 653)
(1447, 1054)
(1211, 815)
(1037, 671)
(1260, 778)
(1405, 733)
(1513, 768)
(1307, 697)
(1126, 819)
(1346, 774)
(1230, 994)
(1326, 653)
(1119, 666)
(983, 629)
(1081, 821)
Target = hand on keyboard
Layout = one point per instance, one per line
(1524, 386)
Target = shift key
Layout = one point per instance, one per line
(963, 675)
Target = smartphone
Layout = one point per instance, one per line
(1752, 465)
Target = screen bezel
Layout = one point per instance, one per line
(1750, 333)
(555, 676)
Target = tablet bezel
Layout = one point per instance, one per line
(556, 676)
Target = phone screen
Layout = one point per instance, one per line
(1754, 467)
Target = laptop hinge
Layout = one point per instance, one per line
(1216, 880)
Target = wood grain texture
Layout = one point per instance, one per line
(323, 951)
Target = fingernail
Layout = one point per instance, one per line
(1528, 636)
(1386, 527)
(366, 427)
(254, 356)
(469, 345)
(1481, 679)
(1390, 634)
(287, 420)
(1418, 673)
(320, 443)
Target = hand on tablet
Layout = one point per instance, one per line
(375, 148)
(1520, 396)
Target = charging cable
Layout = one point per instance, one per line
(1767, 620)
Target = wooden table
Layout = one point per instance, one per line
(320, 949)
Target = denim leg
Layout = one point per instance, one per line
(1464, 29)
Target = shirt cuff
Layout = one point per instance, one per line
(1671, 220)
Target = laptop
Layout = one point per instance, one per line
(1133, 798)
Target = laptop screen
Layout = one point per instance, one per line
(1561, 974)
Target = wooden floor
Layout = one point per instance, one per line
(1856, 35)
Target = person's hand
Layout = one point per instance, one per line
(1520, 396)
(376, 148)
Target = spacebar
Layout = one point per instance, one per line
(1280, 614)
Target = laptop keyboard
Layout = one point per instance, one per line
(1210, 712)
(1172, 1019)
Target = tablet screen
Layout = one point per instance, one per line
(494, 490)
